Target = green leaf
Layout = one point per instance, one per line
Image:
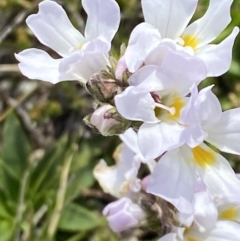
(6, 230)
(14, 155)
(5, 209)
(77, 218)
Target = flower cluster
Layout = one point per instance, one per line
(150, 98)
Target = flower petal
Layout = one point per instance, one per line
(206, 213)
(123, 175)
(229, 211)
(52, 28)
(224, 231)
(173, 179)
(185, 67)
(218, 58)
(151, 78)
(37, 64)
(192, 134)
(103, 19)
(155, 139)
(129, 137)
(123, 214)
(144, 38)
(134, 104)
(82, 66)
(216, 173)
(181, 69)
(225, 133)
(215, 20)
(208, 107)
(98, 45)
(169, 237)
(169, 17)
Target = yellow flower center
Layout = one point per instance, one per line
(202, 157)
(177, 104)
(171, 109)
(192, 239)
(229, 214)
(190, 41)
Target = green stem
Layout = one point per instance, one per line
(21, 206)
(59, 199)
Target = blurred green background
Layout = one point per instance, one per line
(47, 154)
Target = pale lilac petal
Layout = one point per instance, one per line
(120, 68)
(218, 58)
(155, 139)
(140, 105)
(173, 179)
(151, 78)
(205, 211)
(81, 67)
(186, 69)
(157, 56)
(208, 107)
(129, 137)
(215, 20)
(98, 45)
(229, 211)
(37, 64)
(144, 38)
(52, 28)
(169, 237)
(193, 134)
(123, 175)
(224, 231)
(216, 173)
(170, 17)
(200, 186)
(180, 68)
(123, 214)
(225, 133)
(103, 19)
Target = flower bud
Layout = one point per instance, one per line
(100, 122)
(103, 89)
(121, 67)
(123, 214)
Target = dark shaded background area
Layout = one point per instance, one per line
(47, 154)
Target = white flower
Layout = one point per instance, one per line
(208, 221)
(170, 121)
(223, 231)
(183, 165)
(130, 139)
(121, 179)
(156, 96)
(166, 21)
(123, 175)
(81, 56)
